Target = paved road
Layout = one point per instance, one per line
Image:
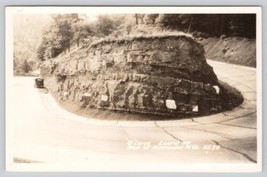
(46, 133)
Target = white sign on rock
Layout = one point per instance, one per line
(217, 89)
(171, 104)
(195, 108)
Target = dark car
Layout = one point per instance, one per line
(39, 83)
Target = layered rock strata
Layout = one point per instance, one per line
(165, 75)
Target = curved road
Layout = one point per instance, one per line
(44, 132)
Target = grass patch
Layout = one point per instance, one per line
(141, 37)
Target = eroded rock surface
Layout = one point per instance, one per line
(165, 75)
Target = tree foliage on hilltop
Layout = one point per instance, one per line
(215, 25)
(26, 68)
(58, 36)
(242, 25)
(72, 29)
(27, 35)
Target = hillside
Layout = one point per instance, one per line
(235, 50)
(28, 31)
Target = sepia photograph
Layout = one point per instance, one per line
(133, 89)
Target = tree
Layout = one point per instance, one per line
(150, 18)
(136, 19)
(26, 68)
(41, 51)
(59, 36)
(182, 22)
(108, 24)
(104, 25)
(63, 32)
(28, 29)
(241, 25)
(81, 30)
(169, 20)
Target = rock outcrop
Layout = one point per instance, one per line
(236, 50)
(165, 75)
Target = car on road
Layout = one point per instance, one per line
(39, 82)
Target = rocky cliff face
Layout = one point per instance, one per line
(165, 75)
(236, 50)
